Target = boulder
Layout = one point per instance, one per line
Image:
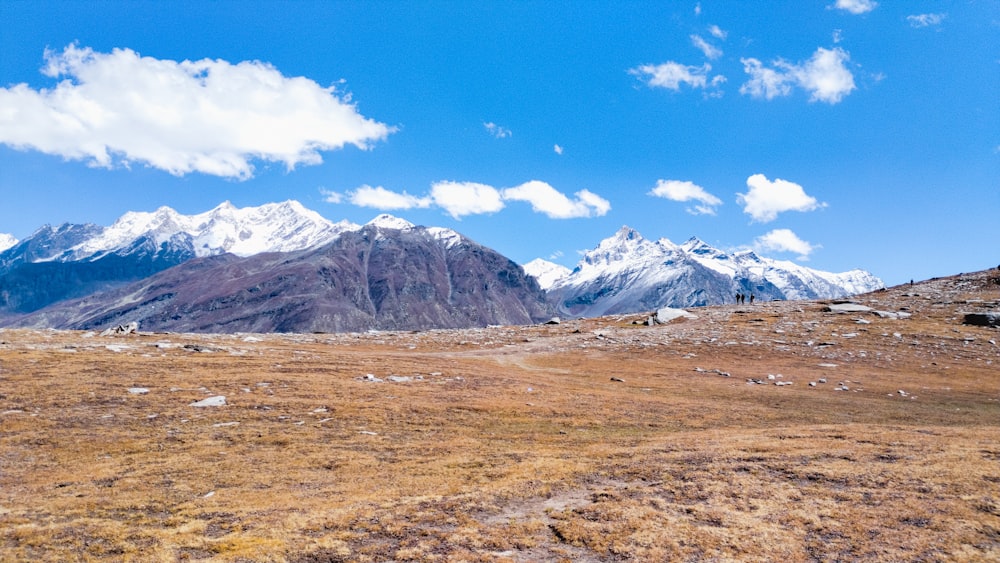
(217, 401)
(667, 314)
(847, 308)
(982, 319)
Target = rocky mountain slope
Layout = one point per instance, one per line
(68, 261)
(389, 274)
(628, 273)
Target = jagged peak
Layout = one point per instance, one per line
(386, 221)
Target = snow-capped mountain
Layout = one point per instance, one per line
(387, 275)
(627, 273)
(547, 273)
(6, 241)
(273, 227)
(73, 260)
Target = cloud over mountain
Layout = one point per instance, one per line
(784, 240)
(683, 191)
(459, 199)
(208, 116)
(765, 199)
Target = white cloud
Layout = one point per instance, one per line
(838, 35)
(331, 196)
(466, 198)
(856, 7)
(207, 116)
(717, 32)
(497, 131)
(825, 76)
(765, 199)
(556, 205)
(784, 240)
(710, 51)
(672, 75)
(557, 148)
(678, 190)
(380, 198)
(697, 9)
(925, 20)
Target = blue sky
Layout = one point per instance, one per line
(839, 133)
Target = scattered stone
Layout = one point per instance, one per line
(892, 314)
(122, 330)
(138, 390)
(225, 424)
(822, 380)
(782, 383)
(553, 321)
(371, 377)
(217, 401)
(846, 308)
(812, 384)
(618, 379)
(399, 378)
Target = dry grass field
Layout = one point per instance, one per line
(515, 443)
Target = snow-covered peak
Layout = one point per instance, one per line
(625, 243)
(547, 273)
(6, 241)
(386, 221)
(273, 227)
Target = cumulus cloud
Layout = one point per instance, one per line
(765, 199)
(466, 198)
(380, 198)
(331, 196)
(683, 191)
(546, 199)
(825, 76)
(207, 116)
(496, 130)
(856, 7)
(710, 51)
(671, 75)
(918, 21)
(784, 240)
(557, 148)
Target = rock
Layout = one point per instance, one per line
(216, 401)
(618, 379)
(892, 314)
(399, 378)
(371, 377)
(138, 390)
(553, 321)
(667, 314)
(846, 308)
(121, 330)
(982, 319)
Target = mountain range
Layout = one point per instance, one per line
(282, 267)
(627, 273)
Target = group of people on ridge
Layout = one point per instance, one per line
(741, 298)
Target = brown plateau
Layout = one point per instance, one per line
(515, 443)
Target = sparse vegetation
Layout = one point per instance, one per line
(513, 443)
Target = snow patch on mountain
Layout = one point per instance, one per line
(545, 272)
(386, 221)
(6, 241)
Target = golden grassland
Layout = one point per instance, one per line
(514, 443)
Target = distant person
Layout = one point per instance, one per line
(738, 298)
(751, 299)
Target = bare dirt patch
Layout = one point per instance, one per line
(592, 440)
